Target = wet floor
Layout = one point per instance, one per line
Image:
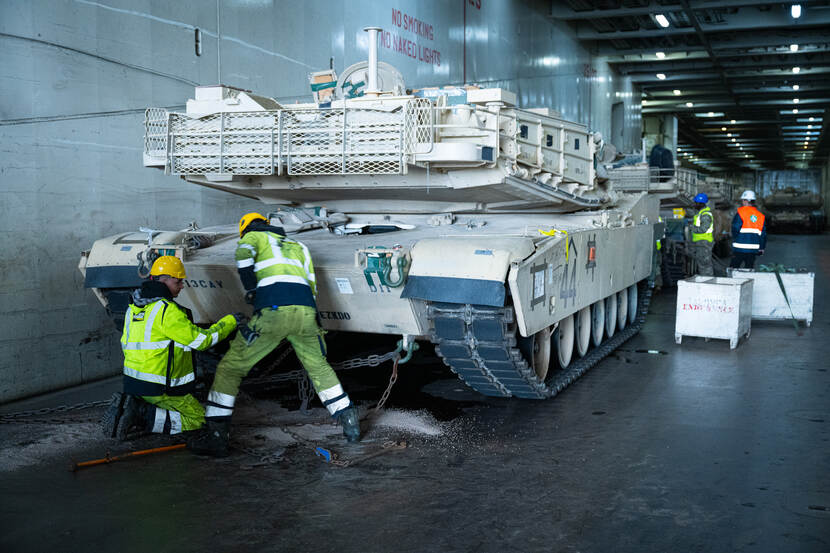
(693, 448)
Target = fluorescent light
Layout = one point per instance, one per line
(662, 55)
(728, 134)
(723, 128)
(733, 121)
(795, 111)
(711, 114)
(796, 70)
(793, 47)
(795, 100)
(733, 140)
(661, 76)
(795, 11)
(812, 118)
(663, 22)
(796, 87)
(809, 126)
(676, 92)
(689, 105)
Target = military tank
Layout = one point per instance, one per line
(442, 214)
(791, 208)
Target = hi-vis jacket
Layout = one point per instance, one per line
(278, 268)
(703, 231)
(157, 342)
(749, 230)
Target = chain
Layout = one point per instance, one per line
(306, 395)
(388, 390)
(7, 418)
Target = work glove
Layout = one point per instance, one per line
(241, 318)
(250, 296)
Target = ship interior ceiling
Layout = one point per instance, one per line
(749, 81)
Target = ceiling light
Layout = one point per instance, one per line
(795, 110)
(676, 92)
(711, 114)
(723, 128)
(796, 87)
(661, 76)
(733, 140)
(795, 100)
(663, 22)
(662, 55)
(795, 11)
(728, 134)
(733, 121)
(809, 126)
(689, 104)
(793, 47)
(796, 69)
(812, 118)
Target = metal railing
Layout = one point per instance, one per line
(318, 141)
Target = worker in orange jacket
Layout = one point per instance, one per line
(749, 233)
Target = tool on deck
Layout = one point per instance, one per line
(109, 459)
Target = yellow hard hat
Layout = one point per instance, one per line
(247, 219)
(168, 265)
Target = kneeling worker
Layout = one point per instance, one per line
(158, 363)
(278, 275)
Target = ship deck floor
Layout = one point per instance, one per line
(695, 448)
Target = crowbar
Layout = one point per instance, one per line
(108, 459)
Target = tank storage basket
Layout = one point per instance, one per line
(768, 301)
(714, 307)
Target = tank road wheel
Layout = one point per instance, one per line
(632, 303)
(597, 322)
(536, 351)
(564, 338)
(622, 308)
(583, 331)
(610, 315)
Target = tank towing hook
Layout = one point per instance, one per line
(408, 344)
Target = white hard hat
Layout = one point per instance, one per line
(748, 195)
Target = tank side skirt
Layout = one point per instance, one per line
(478, 343)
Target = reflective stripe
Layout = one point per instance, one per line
(746, 246)
(161, 418)
(182, 347)
(175, 422)
(128, 319)
(282, 278)
(213, 411)
(331, 393)
(750, 231)
(307, 264)
(338, 405)
(242, 263)
(198, 341)
(277, 261)
(158, 378)
(214, 338)
(225, 400)
(148, 325)
(145, 345)
(248, 247)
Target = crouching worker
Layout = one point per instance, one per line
(158, 362)
(279, 278)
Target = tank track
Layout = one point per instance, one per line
(479, 344)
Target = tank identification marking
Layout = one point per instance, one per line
(335, 315)
(344, 285)
(483, 252)
(126, 248)
(538, 274)
(193, 283)
(568, 290)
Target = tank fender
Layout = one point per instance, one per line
(464, 270)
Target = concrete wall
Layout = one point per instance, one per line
(76, 75)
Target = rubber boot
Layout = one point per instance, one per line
(109, 422)
(212, 440)
(350, 420)
(135, 418)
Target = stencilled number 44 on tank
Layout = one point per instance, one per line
(447, 214)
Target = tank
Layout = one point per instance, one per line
(791, 208)
(447, 215)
